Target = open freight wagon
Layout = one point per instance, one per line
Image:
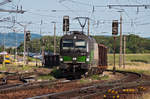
(51, 61)
(102, 57)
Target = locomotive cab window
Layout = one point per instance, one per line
(80, 44)
(67, 44)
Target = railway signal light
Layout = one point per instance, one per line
(28, 36)
(115, 27)
(65, 23)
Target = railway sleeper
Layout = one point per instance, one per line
(88, 91)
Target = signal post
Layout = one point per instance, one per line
(114, 33)
(27, 40)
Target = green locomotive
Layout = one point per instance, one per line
(79, 54)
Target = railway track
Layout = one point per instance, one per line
(2, 81)
(5, 81)
(7, 88)
(26, 86)
(130, 80)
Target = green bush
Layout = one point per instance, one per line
(95, 77)
(143, 61)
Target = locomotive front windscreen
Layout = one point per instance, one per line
(80, 44)
(70, 44)
(67, 44)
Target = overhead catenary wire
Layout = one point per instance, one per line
(77, 2)
(94, 21)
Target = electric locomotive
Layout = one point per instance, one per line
(78, 54)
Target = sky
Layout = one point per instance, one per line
(135, 20)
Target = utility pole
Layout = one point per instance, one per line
(120, 55)
(4, 50)
(43, 53)
(24, 55)
(36, 50)
(137, 6)
(28, 38)
(114, 33)
(124, 51)
(16, 45)
(41, 44)
(15, 11)
(10, 11)
(88, 26)
(54, 38)
(43, 50)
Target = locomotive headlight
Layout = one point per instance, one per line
(61, 59)
(87, 59)
(74, 58)
(75, 37)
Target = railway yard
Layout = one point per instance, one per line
(74, 49)
(122, 85)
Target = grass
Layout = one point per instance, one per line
(105, 77)
(46, 77)
(139, 63)
(97, 77)
(3, 68)
(14, 67)
(24, 68)
(131, 59)
(84, 81)
(143, 69)
(32, 59)
(94, 77)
